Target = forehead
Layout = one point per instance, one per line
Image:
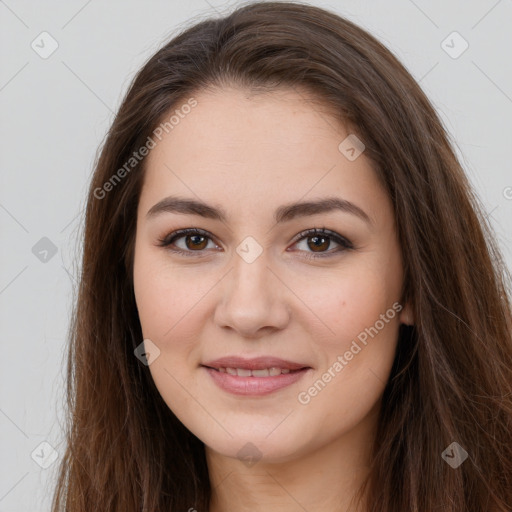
(233, 122)
(243, 149)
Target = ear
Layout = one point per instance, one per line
(407, 315)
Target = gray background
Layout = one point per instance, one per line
(55, 113)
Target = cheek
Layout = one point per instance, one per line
(172, 309)
(348, 302)
(361, 310)
(165, 296)
(167, 300)
(356, 360)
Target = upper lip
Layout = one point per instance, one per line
(256, 363)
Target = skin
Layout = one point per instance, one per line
(250, 154)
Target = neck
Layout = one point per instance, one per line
(325, 478)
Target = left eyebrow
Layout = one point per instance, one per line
(302, 209)
(285, 213)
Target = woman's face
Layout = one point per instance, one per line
(306, 324)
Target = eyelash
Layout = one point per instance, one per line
(342, 241)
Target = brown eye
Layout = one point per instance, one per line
(187, 241)
(319, 243)
(196, 242)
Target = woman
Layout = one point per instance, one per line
(290, 299)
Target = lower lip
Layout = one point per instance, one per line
(254, 386)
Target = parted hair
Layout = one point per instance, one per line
(451, 379)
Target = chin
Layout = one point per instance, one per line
(252, 452)
(252, 446)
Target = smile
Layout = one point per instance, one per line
(265, 372)
(254, 377)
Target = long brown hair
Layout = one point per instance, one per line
(452, 376)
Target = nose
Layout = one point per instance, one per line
(254, 300)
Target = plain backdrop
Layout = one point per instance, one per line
(64, 69)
